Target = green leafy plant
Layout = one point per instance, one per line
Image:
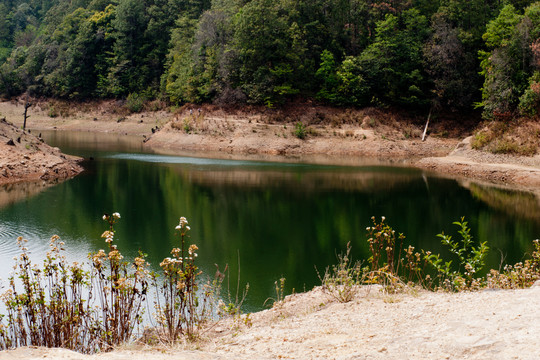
(300, 131)
(470, 260)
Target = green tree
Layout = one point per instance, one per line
(392, 65)
(327, 75)
(69, 67)
(344, 84)
(177, 81)
(451, 69)
(128, 73)
(6, 41)
(261, 42)
(506, 68)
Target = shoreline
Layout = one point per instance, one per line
(233, 134)
(25, 159)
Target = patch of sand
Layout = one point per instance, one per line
(491, 324)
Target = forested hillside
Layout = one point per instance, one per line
(415, 54)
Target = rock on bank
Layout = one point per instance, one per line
(24, 157)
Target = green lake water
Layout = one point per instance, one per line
(276, 219)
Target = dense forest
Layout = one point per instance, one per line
(415, 54)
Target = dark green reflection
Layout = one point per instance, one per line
(280, 219)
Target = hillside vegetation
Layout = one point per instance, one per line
(414, 54)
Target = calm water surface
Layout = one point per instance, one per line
(276, 219)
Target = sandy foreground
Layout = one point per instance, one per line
(490, 324)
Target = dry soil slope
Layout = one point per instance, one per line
(24, 157)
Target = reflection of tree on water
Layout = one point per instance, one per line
(517, 203)
(281, 219)
(12, 193)
(369, 179)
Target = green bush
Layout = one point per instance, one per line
(528, 102)
(135, 102)
(300, 131)
(470, 260)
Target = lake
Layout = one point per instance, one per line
(273, 219)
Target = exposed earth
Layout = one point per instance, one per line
(491, 324)
(348, 137)
(24, 157)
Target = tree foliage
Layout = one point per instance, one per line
(510, 66)
(414, 54)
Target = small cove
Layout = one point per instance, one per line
(280, 219)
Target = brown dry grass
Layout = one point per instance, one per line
(516, 137)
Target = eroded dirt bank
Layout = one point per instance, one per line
(326, 136)
(24, 157)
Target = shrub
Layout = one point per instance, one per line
(187, 126)
(470, 260)
(394, 267)
(67, 305)
(505, 146)
(520, 275)
(481, 139)
(135, 102)
(52, 112)
(528, 102)
(178, 308)
(54, 305)
(382, 245)
(50, 305)
(300, 131)
(121, 288)
(341, 281)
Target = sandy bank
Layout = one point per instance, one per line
(491, 324)
(468, 163)
(357, 136)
